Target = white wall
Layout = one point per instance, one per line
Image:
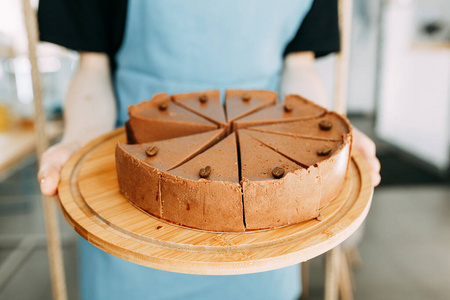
(414, 105)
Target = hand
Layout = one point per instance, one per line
(51, 164)
(89, 111)
(364, 145)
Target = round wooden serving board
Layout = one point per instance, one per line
(91, 202)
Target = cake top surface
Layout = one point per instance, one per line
(206, 104)
(171, 153)
(293, 108)
(304, 151)
(222, 160)
(259, 162)
(268, 165)
(298, 131)
(161, 108)
(328, 127)
(240, 103)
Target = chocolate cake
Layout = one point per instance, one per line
(292, 109)
(205, 104)
(252, 165)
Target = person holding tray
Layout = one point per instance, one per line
(130, 50)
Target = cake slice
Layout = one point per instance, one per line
(205, 104)
(138, 166)
(294, 108)
(330, 127)
(277, 191)
(160, 119)
(331, 158)
(240, 103)
(205, 191)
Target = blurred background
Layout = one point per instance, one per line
(399, 94)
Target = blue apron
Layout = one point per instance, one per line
(176, 46)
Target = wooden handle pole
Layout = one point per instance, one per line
(51, 220)
(332, 267)
(345, 278)
(345, 8)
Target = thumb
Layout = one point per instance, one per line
(49, 176)
(52, 161)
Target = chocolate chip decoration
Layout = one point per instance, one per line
(278, 172)
(324, 151)
(203, 98)
(325, 125)
(163, 106)
(151, 151)
(288, 107)
(246, 97)
(205, 172)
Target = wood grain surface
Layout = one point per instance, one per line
(92, 204)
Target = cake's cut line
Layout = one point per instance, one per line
(212, 120)
(282, 154)
(343, 136)
(296, 135)
(210, 124)
(217, 139)
(131, 139)
(184, 148)
(211, 204)
(136, 111)
(238, 122)
(160, 130)
(198, 114)
(240, 177)
(250, 111)
(346, 139)
(159, 197)
(328, 114)
(293, 108)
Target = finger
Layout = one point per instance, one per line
(376, 179)
(51, 163)
(374, 166)
(366, 147)
(48, 180)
